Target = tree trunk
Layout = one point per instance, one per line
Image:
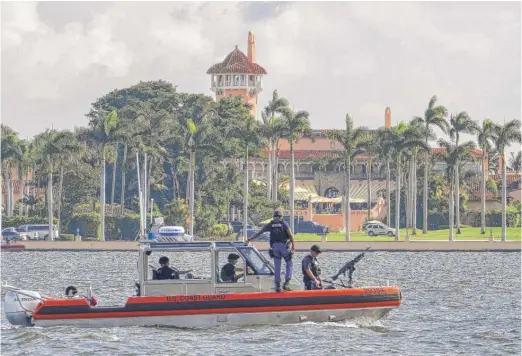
(388, 197)
(174, 187)
(8, 190)
(123, 172)
(504, 197)
(114, 174)
(269, 175)
(102, 197)
(457, 196)
(369, 187)
(483, 198)
(451, 208)
(191, 189)
(21, 187)
(397, 200)
(414, 197)
(275, 174)
(245, 196)
(407, 181)
(347, 210)
(292, 187)
(59, 203)
(189, 178)
(145, 187)
(425, 194)
(50, 236)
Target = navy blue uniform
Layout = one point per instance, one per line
(311, 263)
(228, 273)
(279, 235)
(166, 273)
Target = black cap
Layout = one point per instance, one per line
(277, 214)
(316, 248)
(233, 257)
(163, 260)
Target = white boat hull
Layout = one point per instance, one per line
(213, 320)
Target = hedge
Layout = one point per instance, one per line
(116, 227)
(15, 221)
(444, 227)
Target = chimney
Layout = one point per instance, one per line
(387, 118)
(251, 47)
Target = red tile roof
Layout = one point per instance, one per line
(236, 62)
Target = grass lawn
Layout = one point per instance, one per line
(469, 233)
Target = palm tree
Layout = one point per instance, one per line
(484, 137)
(250, 137)
(352, 139)
(272, 126)
(505, 135)
(434, 116)
(50, 146)
(515, 162)
(384, 150)
(102, 131)
(404, 138)
(460, 123)
(11, 154)
(296, 124)
(451, 155)
(417, 133)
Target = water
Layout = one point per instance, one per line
(453, 304)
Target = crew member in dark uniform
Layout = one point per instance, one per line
(309, 267)
(165, 272)
(228, 271)
(280, 236)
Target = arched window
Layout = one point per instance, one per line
(331, 193)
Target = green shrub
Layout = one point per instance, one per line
(66, 237)
(89, 225)
(129, 226)
(219, 230)
(15, 221)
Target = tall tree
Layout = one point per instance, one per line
(352, 140)
(460, 123)
(249, 134)
(451, 155)
(11, 154)
(434, 116)
(296, 124)
(504, 136)
(101, 132)
(484, 138)
(384, 150)
(272, 127)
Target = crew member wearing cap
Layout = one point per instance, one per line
(228, 271)
(280, 235)
(310, 267)
(166, 272)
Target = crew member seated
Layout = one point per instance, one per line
(165, 272)
(228, 271)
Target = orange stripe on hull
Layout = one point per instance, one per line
(393, 303)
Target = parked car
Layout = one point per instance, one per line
(302, 226)
(379, 229)
(251, 231)
(238, 225)
(371, 222)
(38, 232)
(10, 234)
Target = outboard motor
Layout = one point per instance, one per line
(19, 307)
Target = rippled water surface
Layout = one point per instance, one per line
(453, 304)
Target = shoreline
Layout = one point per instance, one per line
(301, 246)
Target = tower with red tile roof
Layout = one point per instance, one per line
(238, 75)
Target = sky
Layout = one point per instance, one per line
(329, 58)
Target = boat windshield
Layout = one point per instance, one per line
(256, 261)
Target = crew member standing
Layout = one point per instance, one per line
(280, 236)
(310, 267)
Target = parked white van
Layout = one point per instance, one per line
(38, 232)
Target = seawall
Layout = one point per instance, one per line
(399, 246)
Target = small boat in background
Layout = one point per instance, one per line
(12, 247)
